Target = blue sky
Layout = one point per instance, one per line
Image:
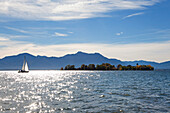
(122, 29)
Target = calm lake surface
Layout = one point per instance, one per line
(85, 91)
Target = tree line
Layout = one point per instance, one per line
(107, 66)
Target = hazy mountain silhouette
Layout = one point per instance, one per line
(43, 62)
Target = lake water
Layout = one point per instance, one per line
(85, 91)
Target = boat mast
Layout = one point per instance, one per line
(24, 62)
(23, 67)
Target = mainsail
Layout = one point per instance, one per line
(25, 66)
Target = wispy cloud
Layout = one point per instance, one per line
(31, 31)
(18, 30)
(159, 33)
(3, 39)
(118, 34)
(60, 34)
(135, 14)
(11, 36)
(67, 10)
(71, 32)
(46, 28)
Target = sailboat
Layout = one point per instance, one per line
(24, 67)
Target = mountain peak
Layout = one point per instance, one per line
(24, 54)
(98, 54)
(80, 52)
(21, 54)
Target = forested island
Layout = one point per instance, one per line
(108, 67)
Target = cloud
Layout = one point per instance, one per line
(46, 28)
(3, 39)
(18, 30)
(10, 36)
(67, 9)
(158, 33)
(135, 14)
(60, 34)
(118, 34)
(71, 32)
(30, 31)
(140, 51)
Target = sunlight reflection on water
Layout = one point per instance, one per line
(84, 91)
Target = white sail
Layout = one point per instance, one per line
(26, 67)
(23, 66)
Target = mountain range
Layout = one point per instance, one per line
(77, 59)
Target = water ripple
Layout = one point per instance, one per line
(85, 91)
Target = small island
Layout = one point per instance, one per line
(108, 67)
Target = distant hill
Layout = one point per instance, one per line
(43, 62)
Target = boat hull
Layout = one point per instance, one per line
(22, 71)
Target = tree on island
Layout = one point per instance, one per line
(119, 67)
(107, 66)
(70, 67)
